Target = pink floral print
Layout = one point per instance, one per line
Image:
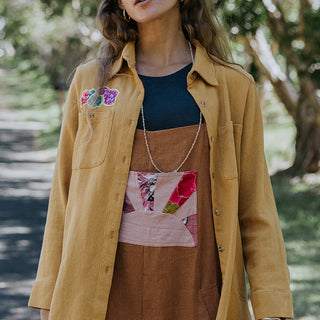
(107, 97)
(145, 221)
(185, 188)
(147, 185)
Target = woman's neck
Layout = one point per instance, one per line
(162, 48)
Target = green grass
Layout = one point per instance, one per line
(298, 204)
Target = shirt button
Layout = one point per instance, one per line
(212, 175)
(221, 248)
(107, 269)
(111, 234)
(212, 138)
(192, 77)
(91, 116)
(218, 212)
(202, 103)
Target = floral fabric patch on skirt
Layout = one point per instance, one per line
(160, 209)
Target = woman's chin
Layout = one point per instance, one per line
(146, 11)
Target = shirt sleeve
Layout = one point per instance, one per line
(51, 251)
(263, 245)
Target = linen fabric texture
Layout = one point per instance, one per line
(175, 274)
(81, 235)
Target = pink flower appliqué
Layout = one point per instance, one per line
(107, 97)
(185, 188)
(86, 95)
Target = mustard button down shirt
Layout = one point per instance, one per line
(85, 207)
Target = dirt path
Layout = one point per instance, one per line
(25, 181)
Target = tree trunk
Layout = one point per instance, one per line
(307, 122)
(303, 108)
(259, 48)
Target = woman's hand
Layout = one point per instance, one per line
(44, 314)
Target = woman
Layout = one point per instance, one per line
(161, 194)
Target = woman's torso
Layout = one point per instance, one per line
(167, 266)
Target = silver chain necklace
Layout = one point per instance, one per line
(193, 143)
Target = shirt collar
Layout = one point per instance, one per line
(203, 64)
(129, 55)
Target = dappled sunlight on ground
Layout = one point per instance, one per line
(25, 181)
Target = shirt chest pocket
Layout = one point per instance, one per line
(229, 149)
(91, 152)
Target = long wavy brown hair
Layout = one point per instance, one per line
(199, 22)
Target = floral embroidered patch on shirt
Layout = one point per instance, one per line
(160, 209)
(107, 97)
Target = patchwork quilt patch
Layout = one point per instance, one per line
(147, 184)
(160, 209)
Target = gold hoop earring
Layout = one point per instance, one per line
(125, 17)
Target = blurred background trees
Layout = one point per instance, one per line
(277, 41)
(283, 39)
(41, 43)
(54, 36)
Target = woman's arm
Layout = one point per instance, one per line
(51, 251)
(263, 245)
(44, 314)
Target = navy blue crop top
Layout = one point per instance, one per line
(167, 103)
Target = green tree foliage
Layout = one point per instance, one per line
(283, 37)
(292, 28)
(12, 29)
(84, 8)
(53, 35)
